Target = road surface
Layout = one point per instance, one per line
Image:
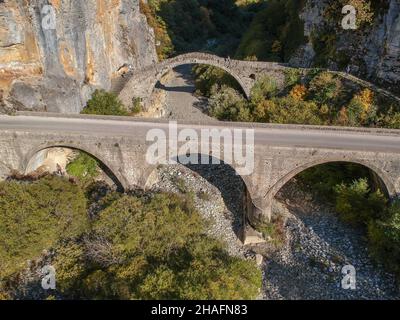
(290, 136)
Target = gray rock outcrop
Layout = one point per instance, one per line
(371, 52)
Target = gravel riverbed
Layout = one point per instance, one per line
(318, 245)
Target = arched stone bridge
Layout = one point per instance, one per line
(280, 152)
(142, 82)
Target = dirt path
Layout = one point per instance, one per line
(182, 104)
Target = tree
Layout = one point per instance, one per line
(287, 110)
(356, 203)
(325, 88)
(105, 103)
(298, 92)
(227, 104)
(208, 76)
(264, 88)
(361, 109)
(384, 238)
(83, 167)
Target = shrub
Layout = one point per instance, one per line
(384, 238)
(361, 109)
(207, 76)
(273, 231)
(390, 119)
(227, 104)
(298, 92)
(136, 106)
(180, 183)
(163, 253)
(324, 178)
(35, 216)
(264, 88)
(287, 110)
(104, 103)
(292, 77)
(356, 203)
(83, 167)
(325, 88)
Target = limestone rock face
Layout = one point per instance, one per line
(56, 67)
(372, 52)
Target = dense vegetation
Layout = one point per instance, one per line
(275, 33)
(144, 246)
(34, 217)
(198, 25)
(359, 202)
(318, 98)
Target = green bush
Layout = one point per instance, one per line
(357, 205)
(154, 249)
(35, 216)
(264, 88)
(227, 104)
(105, 103)
(275, 33)
(292, 77)
(384, 238)
(83, 167)
(207, 76)
(324, 178)
(325, 88)
(153, 246)
(390, 119)
(287, 110)
(136, 106)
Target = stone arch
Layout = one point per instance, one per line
(248, 204)
(193, 58)
(117, 178)
(150, 170)
(142, 83)
(385, 178)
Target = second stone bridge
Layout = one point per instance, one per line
(142, 82)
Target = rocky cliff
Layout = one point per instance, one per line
(54, 53)
(372, 51)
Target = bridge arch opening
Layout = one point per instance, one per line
(215, 182)
(70, 161)
(199, 75)
(325, 173)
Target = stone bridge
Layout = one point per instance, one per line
(280, 152)
(142, 82)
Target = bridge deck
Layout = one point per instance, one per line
(362, 139)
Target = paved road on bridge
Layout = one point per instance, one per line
(291, 136)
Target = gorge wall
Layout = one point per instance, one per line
(371, 52)
(58, 69)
